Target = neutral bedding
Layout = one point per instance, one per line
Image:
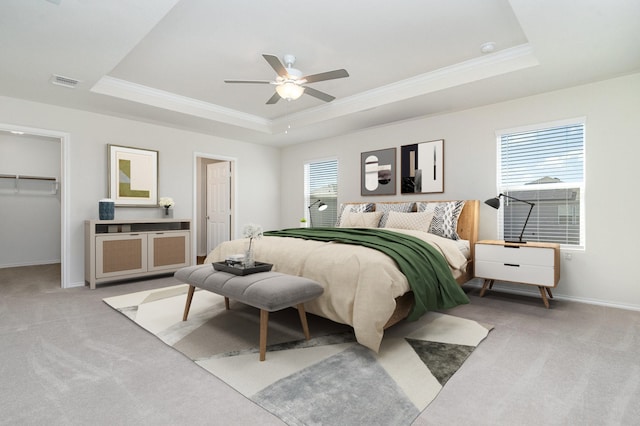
(361, 284)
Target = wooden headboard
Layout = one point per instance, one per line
(468, 230)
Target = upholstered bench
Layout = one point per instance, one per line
(267, 291)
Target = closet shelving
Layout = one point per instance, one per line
(34, 183)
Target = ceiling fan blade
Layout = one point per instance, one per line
(329, 75)
(272, 100)
(248, 81)
(318, 94)
(276, 65)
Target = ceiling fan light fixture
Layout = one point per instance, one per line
(289, 91)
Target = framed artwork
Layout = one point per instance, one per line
(422, 167)
(133, 176)
(378, 172)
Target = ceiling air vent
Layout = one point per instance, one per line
(64, 81)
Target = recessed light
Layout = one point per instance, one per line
(488, 47)
(15, 132)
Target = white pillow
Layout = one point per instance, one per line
(360, 220)
(353, 207)
(385, 208)
(414, 221)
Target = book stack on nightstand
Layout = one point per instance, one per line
(528, 263)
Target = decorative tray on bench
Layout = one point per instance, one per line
(238, 269)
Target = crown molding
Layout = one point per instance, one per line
(486, 66)
(123, 89)
(490, 65)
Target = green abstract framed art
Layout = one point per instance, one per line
(133, 176)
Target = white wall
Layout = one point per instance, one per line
(30, 217)
(257, 171)
(604, 272)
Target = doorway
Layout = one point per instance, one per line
(214, 202)
(46, 183)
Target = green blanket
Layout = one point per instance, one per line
(426, 269)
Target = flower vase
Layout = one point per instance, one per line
(167, 213)
(249, 260)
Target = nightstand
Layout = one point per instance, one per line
(528, 263)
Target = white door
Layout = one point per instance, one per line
(218, 203)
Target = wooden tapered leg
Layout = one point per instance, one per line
(226, 303)
(187, 306)
(303, 320)
(485, 285)
(264, 325)
(543, 293)
(549, 292)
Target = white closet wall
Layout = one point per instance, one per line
(29, 208)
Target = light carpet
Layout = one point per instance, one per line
(327, 380)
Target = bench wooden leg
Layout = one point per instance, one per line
(264, 325)
(187, 306)
(303, 320)
(226, 303)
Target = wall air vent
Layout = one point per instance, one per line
(64, 81)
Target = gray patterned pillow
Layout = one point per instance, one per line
(445, 217)
(385, 208)
(355, 208)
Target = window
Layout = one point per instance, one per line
(544, 166)
(321, 183)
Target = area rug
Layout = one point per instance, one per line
(329, 379)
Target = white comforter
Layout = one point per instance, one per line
(360, 283)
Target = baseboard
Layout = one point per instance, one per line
(77, 284)
(521, 291)
(33, 263)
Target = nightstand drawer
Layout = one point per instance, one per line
(516, 272)
(520, 255)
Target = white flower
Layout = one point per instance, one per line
(166, 202)
(252, 231)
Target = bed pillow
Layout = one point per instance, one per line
(385, 208)
(413, 221)
(360, 220)
(445, 217)
(357, 208)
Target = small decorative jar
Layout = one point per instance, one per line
(106, 209)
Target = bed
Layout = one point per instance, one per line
(364, 287)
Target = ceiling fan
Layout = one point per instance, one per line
(290, 83)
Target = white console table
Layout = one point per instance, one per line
(126, 249)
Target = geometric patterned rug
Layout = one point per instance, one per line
(329, 379)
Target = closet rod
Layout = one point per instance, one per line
(28, 177)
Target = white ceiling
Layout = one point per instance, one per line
(164, 61)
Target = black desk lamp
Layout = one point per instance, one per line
(495, 203)
(322, 206)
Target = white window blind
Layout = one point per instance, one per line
(545, 167)
(321, 183)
